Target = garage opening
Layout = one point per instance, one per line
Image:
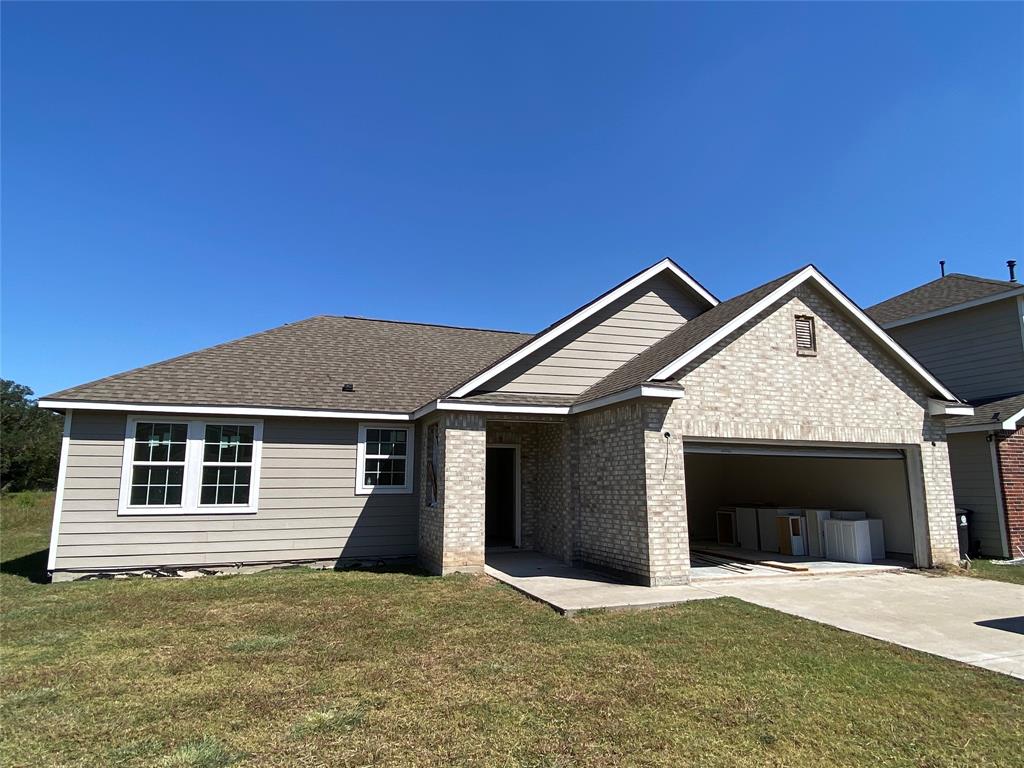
(794, 503)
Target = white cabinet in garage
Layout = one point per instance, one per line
(848, 540)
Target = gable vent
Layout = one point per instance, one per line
(806, 343)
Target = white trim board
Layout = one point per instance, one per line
(578, 317)
(644, 390)
(1014, 421)
(1009, 293)
(220, 410)
(58, 502)
(942, 408)
(809, 273)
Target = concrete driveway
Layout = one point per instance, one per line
(975, 621)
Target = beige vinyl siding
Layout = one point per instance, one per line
(308, 509)
(596, 347)
(974, 488)
(976, 352)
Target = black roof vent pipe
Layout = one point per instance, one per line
(942, 267)
(1012, 265)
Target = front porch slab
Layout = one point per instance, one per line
(569, 590)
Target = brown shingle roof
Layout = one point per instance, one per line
(654, 358)
(994, 412)
(395, 367)
(939, 294)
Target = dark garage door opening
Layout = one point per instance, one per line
(872, 481)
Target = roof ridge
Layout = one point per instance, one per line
(980, 279)
(427, 325)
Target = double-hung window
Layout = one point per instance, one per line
(158, 464)
(190, 466)
(384, 459)
(227, 464)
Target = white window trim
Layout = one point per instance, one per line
(410, 459)
(193, 469)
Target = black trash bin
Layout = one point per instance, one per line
(963, 529)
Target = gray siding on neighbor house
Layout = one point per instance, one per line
(605, 341)
(308, 509)
(976, 352)
(974, 488)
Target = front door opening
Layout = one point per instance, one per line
(502, 493)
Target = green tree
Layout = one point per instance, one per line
(29, 440)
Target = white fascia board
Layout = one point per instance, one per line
(808, 273)
(942, 408)
(208, 410)
(1008, 294)
(447, 405)
(644, 390)
(1012, 422)
(554, 410)
(58, 502)
(578, 317)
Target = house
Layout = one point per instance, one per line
(609, 438)
(969, 331)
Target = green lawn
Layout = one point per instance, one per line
(297, 667)
(986, 569)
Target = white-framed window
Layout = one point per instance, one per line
(175, 466)
(384, 459)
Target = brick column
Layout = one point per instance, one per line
(1010, 457)
(940, 508)
(667, 530)
(465, 479)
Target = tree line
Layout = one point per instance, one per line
(29, 441)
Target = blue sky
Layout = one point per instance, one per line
(176, 175)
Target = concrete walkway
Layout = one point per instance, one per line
(569, 590)
(974, 621)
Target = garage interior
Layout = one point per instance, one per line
(735, 494)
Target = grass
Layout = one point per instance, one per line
(986, 569)
(299, 667)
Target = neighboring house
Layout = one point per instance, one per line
(610, 438)
(969, 331)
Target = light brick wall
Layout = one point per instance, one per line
(752, 385)
(1010, 454)
(610, 490)
(554, 524)
(668, 536)
(465, 472)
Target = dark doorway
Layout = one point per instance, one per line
(500, 516)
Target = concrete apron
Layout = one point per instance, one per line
(974, 621)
